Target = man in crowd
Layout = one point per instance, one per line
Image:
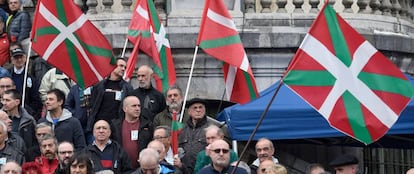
(165, 167)
(33, 104)
(264, 151)
(22, 122)
(42, 129)
(150, 98)
(108, 94)
(65, 152)
(65, 127)
(134, 130)
(163, 135)
(192, 137)
(149, 162)
(174, 100)
(220, 157)
(107, 154)
(8, 152)
(213, 133)
(11, 167)
(345, 164)
(315, 168)
(13, 139)
(48, 161)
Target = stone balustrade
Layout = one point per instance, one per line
(398, 8)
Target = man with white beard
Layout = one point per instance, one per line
(220, 157)
(174, 101)
(150, 97)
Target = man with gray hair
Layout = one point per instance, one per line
(264, 151)
(8, 152)
(11, 167)
(150, 98)
(174, 100)
(48, 161)
(149, 162)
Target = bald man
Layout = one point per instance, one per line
(150, 98)
(133, 130)
(107, 154)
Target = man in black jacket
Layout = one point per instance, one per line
(150, 98)
(107, 95)
(134, 130)
(107, 154)
(22, 122)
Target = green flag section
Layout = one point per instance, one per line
(219, 38)
(65, 38)
(146, 25)
(348, 81)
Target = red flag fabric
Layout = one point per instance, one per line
(343, 77)
(176, 129)
(130, 67)
(65, 38)
(219, 38)
(146, 23)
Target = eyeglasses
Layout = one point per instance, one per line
(158, 138)
(221, 150)
(65, 152)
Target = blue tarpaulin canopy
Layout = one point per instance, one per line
(290, 117)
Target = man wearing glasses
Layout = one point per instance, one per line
(220, 157)
(65, 153)
(264, 151)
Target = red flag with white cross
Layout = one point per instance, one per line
(219, 38)
(65, 38)
(348, 81)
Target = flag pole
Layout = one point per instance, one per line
(258, 124)
(188, 83)
(26, 70)
(123, 50)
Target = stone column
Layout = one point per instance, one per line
(126, 5)
(92, 6)
(249, 6)
(266, 6)
(362, 4)
(107, 5)
(298, 6)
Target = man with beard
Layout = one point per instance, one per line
(150, 98)
(48, 161)
(174, 100)
(220, 157)
(264, 151)
(65, 152)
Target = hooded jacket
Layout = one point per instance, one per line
(67, 128)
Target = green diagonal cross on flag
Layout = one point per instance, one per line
(65, 38)
(356, 88)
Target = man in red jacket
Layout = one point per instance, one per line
(48, 161)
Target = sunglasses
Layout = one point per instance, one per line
(221, 150)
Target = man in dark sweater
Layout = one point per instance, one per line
(150, 98)
(107, 96)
